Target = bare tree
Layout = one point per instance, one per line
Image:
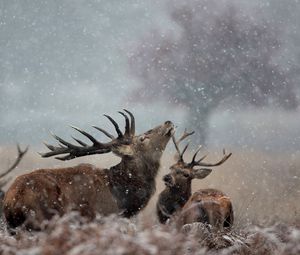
(221, 55)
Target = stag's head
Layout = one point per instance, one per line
(153, 142)
(125, 144)
(182, 173)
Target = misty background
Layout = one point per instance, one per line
(69, 62)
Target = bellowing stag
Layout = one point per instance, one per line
(123, 189)
(209, 206)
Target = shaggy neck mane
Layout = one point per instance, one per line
(132, 182)
(145, 169)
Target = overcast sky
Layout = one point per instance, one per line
(65, 62)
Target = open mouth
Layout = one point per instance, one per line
(170, 131)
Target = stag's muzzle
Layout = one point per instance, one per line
(169, 128)
(168, 180)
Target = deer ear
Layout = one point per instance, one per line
(201, 173)
(123, 150)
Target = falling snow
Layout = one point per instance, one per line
(227, 69)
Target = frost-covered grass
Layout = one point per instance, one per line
(264, 188)
(112, 235)
(254, 180)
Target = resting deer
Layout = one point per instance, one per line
(205, 205)
(123, 189)
(3, 182)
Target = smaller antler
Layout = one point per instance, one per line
(195, 162)
(200, 163)
(176, 143)
(21, 154)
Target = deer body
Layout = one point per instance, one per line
(123, 189)
(208, 206)
(43, 193)
(177, 202)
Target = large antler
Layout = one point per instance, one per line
(21, 154)
(97, 147)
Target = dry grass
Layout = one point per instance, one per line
(72, 235)
(264, 188)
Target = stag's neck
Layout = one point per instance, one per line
(170, 201)
(132, 183)
(143, 169)
(180, 195)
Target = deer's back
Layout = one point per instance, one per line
(45, 192)
(209, 206)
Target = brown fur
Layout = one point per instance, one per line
(124, 189)
(208, 206)
(43, 193)
(177, 202)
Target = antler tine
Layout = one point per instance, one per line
(176, 143)
(64, 158)
(185, 135)
(49, 146)
(132, 125)
(62, 141)
(176, 146)
(115, 125)
(90, 137)
(79, 141)
(197, 151)
(104, 132)
(220, 162)
(21, 154)
(183, 151)
(127, 124)
(202, 158)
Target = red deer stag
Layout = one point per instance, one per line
(205, 205)
(123, 189)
